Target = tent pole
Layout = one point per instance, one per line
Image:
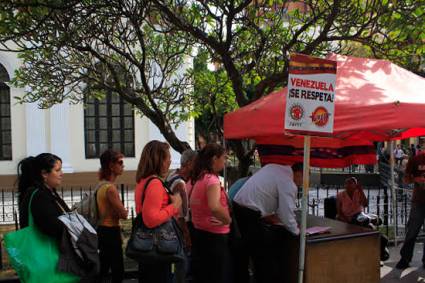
(393, 190)
(306, 185)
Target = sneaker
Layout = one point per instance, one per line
(402, 264)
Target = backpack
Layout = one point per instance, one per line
(88, 207)
(170, 182)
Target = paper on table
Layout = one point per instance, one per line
(317, 230)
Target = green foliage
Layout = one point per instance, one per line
(213, 95)
(142, 50)
(76, 49)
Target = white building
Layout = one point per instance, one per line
(75, 133)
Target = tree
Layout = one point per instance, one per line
(72, 49)
(251, 40)
(213, 96)
(248, 40)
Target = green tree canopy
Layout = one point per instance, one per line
(117, 46)
(251, 40)
(139, 48)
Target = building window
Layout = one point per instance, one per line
(5, 123)
(108, 123)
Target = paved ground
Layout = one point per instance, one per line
(389, 274)
(415, 273)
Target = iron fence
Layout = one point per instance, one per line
(380, 202)
(9, 210)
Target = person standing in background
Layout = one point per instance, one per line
(158, 206)
(111, 210)
(38, 178)
(210, 217)
(412, 150)
(176, 182)
(398, 155)
(415, 173)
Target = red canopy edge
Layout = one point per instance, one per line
(319, 157)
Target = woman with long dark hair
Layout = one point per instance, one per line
(111, 210)
(41, 174)
(210, 217)
(158, 206)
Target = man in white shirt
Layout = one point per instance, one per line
(268, 197)
(398, 155)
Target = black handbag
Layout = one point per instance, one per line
(162, 244)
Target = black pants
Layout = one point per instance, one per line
(264, 244)
(211, 260)
(414, 224)
(155, 273)
(111, 256)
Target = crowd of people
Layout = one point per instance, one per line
(216, 249)
(226, 238)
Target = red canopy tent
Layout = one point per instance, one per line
(376, 100)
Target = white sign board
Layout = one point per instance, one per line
(310, 101)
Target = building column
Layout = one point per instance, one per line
(60, 137)
(35, 121)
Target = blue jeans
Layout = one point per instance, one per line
(414, 224)
(181, 270)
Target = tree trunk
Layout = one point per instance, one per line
(164, 127)
(244, 157)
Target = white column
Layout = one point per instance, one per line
(60, 138)
(36, 139)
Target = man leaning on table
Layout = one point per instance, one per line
(268, 197)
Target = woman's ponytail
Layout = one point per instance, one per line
(30, 171)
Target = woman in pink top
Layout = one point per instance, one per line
(157, 207)
(210, 218)
(351, 201)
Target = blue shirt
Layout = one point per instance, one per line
(234, 189)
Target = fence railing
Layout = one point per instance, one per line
(9, 210)
(380, 203)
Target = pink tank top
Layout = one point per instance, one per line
(202, 217)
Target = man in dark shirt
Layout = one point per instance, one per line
(415, 173)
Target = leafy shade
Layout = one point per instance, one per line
(138, 49)
(68, 47)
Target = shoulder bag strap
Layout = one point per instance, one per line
(30, 218)
(147, 184)
(60, 206)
